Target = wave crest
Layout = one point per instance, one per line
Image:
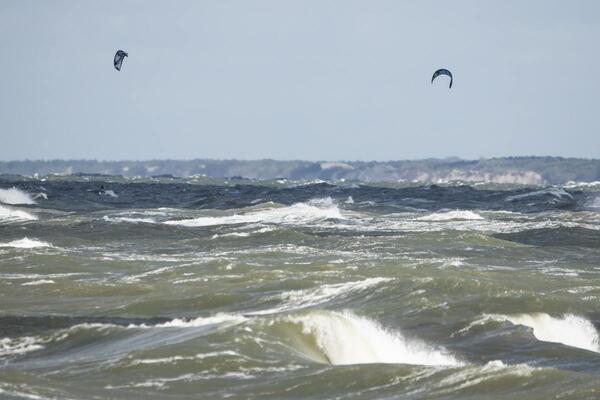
(464, 215)
(343, 338)
(26, 243)
(570, 330)
(15, 196)
(299, 213)
(13, 215)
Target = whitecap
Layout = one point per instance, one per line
(15, 196)
(558, 193)
(242, 234)
(109, 193)
(26, 243)
(575, 184)
(299, 213)
(464, 215)
(220, 319)
(129, 220)
(20, 345)
(41, 195)
(38, 282)
(345, 338)
(8, 214)
(570, 330)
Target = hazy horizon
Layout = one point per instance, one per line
(310, 80)
(446, 158)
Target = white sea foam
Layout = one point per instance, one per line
(38, 282)
(26, 243)
(12, 394)
(558, 193)
(15, 196)
(163, 383)
(242, 234)
(40, 276)
(225, 320)
(464, 215)
(232, 234)
(173, 359)
(477, 374)
(129, 220)
(570, 330)
(345, 338)
(20, 345)
(297, 299)
(299, 213)
(471, 221)
(220, 320)
(325, 214)
(41, 195)
(8, 214)
(110, 193)
(574, 184)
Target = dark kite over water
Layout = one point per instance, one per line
(119, 57)
(442, 72)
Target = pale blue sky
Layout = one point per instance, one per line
(311, 79)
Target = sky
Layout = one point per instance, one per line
(305, 79)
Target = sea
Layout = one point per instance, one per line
(199, 288)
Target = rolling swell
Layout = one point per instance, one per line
(84, 195)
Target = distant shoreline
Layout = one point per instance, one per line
(512, 170)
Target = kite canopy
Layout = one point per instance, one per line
(119, 57)
(442, 72)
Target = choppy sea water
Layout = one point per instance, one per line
(196, 288)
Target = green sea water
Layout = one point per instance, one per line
(175, 289)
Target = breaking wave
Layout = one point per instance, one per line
(465, 215)
(556, 193)
(15, 196)
(109, 193)
(38, 282)
(570, 330)
(129, 220)
(299, 213)
(14, 346)
(26, 243)
(13, 215)
(223, 320)
(216, 320)
(343, 338)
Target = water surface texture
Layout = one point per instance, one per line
(196, 288)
